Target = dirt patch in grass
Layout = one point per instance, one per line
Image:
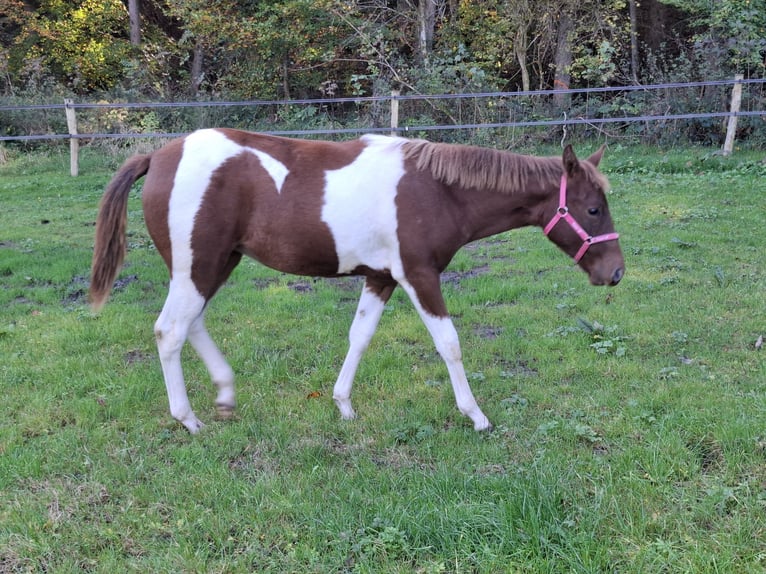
(137, 356)
(455, 277)
(123, 282)
(488, 332)
(352, 283)
(76, 291)
(518, 368)
(264, 282)
(709, 453)
(301, 286)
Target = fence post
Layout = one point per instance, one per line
(731, 128)
(74, 143)
(394, 112)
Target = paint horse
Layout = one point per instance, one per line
(391, 209)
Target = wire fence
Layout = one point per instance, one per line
(690, 109)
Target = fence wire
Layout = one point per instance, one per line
(589, 107)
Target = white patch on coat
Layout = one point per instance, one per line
(360, 209)
(275, 168)
(204, 151)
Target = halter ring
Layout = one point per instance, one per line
(563, 213)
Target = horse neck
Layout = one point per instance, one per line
(491, 212)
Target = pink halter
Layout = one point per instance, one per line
(563, 213)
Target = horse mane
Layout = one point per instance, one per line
(486, 168)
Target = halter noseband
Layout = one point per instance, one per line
(563, 213)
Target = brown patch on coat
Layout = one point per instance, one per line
(155, 197)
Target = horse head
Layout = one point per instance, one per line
(579, 222)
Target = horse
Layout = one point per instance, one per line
(392, 209)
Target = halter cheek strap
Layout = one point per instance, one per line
(563, 213)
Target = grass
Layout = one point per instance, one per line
(629, 422)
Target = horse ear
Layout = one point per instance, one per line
(595, 159)
(571, 163)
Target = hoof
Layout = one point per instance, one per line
(346, 411)
(483, 425)
(192, 424)
(348, 416)
(224, 412)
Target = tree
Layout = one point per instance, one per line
(81, 43)
(732, 31)
(632, 9)
(426, 24)
(266, 49)
(13, 17)
(563, 59)
(524, 19)
(306, 48)
(135, 22)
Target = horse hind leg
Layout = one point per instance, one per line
(368, 313)
(183, 308)
(220, 372)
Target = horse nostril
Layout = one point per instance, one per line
(617, 275)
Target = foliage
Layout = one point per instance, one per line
(254, 50)
(80, 42)
(304, 48)
(485, 30)
(731, 32)
(294, 49)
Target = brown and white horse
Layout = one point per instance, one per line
(391, 209)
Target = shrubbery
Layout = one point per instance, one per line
(327, 48)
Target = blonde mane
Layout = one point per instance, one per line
(485, 168)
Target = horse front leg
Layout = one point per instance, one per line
(368, 313)
(182, 308)
(445, 338)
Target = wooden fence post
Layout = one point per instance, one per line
(394, 112)
(736, 102)
(74, 143)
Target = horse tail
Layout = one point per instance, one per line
(110, 246)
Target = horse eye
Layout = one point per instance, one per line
(594, 211)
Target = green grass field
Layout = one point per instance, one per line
(630, 423)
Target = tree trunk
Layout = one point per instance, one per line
(563, 59)
(520, 49)
(134, 14)
(196, 67)
(286, 78)
(426, 24)
(633, 41)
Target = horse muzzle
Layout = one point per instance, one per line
(607, 280)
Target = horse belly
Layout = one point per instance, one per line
(304, 248)
(290, 246)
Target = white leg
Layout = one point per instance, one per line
(445, 338)
(363, 327)
(182, 307)
(219, 369)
